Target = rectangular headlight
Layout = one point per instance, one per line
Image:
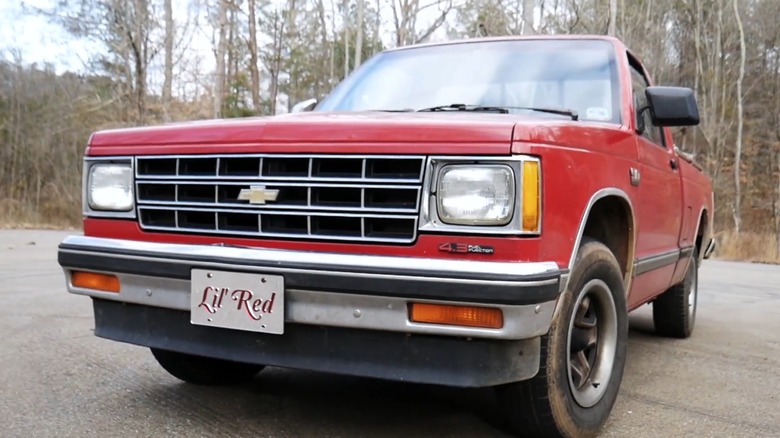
(476, 194)
(110, 187)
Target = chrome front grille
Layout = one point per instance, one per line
(356, 198)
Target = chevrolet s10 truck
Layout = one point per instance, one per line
(479, 213)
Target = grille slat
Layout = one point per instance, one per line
(352, 198)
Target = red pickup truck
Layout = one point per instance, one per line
(474, 213)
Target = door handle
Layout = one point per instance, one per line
(673, 164)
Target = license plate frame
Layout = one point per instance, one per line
(237, 300)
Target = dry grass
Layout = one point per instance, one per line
(749, 247)
(20, 215)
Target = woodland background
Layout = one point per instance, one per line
(263, 56)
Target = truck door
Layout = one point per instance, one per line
(660, 200)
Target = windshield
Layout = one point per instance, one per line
(578, 75)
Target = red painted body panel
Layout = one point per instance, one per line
(427, 246)
(659, 216)
(333, 133)
(578, 160)
(670, 206)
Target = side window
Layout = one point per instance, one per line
(638, 85)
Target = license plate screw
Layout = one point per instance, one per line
(148, 292)
(356, 313)
(262, 280)
(209, 275)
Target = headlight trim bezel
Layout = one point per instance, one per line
(88, 209)
(429, 220)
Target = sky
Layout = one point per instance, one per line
(25, 33)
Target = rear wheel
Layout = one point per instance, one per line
(201, 370)
(674, 311)
(582, 356)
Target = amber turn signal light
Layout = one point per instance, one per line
(531, 196)
(469, 316)
(92, 280)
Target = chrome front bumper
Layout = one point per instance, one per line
(327, 289)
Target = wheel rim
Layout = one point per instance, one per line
(592, 342)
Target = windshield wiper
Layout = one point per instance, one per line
(464, 107)
(502, 109)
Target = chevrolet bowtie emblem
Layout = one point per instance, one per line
(258, 195)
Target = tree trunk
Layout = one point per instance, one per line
(254, 72)
(740, 123)
(139, 45)
(699, 67)
(232, 60)
(333, 79)
(377, 26)
(279, 29)
(346, 38)
(219, 77)
(528, 17)
(326, 45)
(612, 18)
(359, 36)
(168, 68)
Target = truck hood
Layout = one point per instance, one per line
(359, 132)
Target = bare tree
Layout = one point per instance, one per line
(359, 33)
(168, 68)
(254, 71)
(740, 122)
(613, 6)
(345, 5)
(405, 14)
(139, 45)
(528, 17)
(221, 54)
(127, 30)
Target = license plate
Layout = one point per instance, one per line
(234, 300)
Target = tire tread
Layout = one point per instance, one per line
(529, 410)
(670, 308)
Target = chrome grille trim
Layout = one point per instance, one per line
(307, 206)
(262, 157)
(376, 198)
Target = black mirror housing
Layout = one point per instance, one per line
(672, 106)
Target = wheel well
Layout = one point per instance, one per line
(611, 222)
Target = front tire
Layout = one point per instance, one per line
(201, 370)
(582, 356)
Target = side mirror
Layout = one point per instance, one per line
(672, 106)
(306, 105)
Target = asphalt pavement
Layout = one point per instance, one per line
(58, 380)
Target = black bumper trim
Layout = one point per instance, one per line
(521, 290)
(428, 359)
